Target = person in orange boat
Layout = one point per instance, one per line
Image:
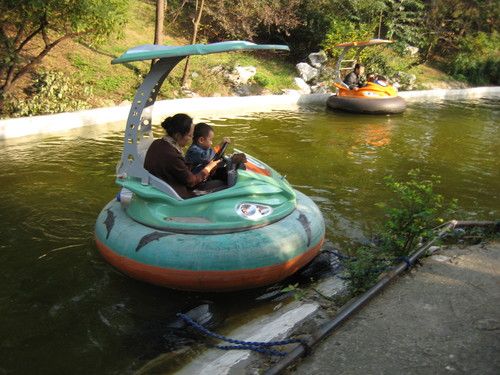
(353, 79)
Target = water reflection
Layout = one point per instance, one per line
(59, 298)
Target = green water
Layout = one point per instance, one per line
(65, 311)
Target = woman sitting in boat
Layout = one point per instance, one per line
(353, 79)
(165, 159)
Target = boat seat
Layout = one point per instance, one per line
(143, 147)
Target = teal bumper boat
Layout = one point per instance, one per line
(256, 231)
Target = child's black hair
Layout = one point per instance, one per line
(201, 130)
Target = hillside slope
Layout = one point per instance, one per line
(111, 84)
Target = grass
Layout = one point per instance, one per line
(429, 77)
(111, 84)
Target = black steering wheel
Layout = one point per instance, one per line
(221, 152)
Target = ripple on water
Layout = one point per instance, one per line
(57, 289)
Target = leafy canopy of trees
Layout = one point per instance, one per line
(52, 21)
(437, 27)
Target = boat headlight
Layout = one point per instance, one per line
(253, 211)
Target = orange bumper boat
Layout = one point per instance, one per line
(373, 98)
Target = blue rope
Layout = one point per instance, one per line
(256, 346)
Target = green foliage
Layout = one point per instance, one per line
(51, 92)
(91, 21)
(298, 293)
(364, 270)
(410, 217)
(345, 31)
(387, 62)
(415, 211)
(478, 59)
(403, 21)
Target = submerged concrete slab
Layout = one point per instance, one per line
(278, 325)
(268, 328)
(442, 318)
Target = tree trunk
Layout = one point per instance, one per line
(193, 40)
(160, 17)
(380, 24)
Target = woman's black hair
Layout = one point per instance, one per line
(358, 65)
(177, 124)
(201, 130)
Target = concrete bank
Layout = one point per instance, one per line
(200, 107)
(283, 321)
(442, 318)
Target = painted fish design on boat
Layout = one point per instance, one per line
(109, 222)
(153, 236)
(306, 224)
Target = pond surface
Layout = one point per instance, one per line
(65, 311)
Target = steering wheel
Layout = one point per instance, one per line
(221, 152)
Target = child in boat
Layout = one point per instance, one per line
(381, 80)
(200, 153)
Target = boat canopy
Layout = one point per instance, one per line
(153, 51)
(365, 43)
(348, 64)
(138, 130)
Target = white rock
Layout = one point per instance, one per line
(302, 85)
(441, 258)
(306, 71)
(326, 73)
(433, 249)
(242, 74)
(412, 51)
(290, 92)
(321, 88)
(217, 69)
(317, 58)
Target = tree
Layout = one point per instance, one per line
(160, 16)
(196, 23)
(22, 23)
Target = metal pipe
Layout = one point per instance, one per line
(347, 311)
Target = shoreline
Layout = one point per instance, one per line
(48, 124)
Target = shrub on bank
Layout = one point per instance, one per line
(410, 218)
(51, 92)
(478, 59)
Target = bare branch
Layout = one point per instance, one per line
(177, 14)
(29, 37)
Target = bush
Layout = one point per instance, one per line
(384, 60)
(51, 92)
(416, 209)
(364, 269)
(411, 217)
(341, 31)
(478, 59)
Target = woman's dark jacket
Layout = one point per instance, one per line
(164, 161)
